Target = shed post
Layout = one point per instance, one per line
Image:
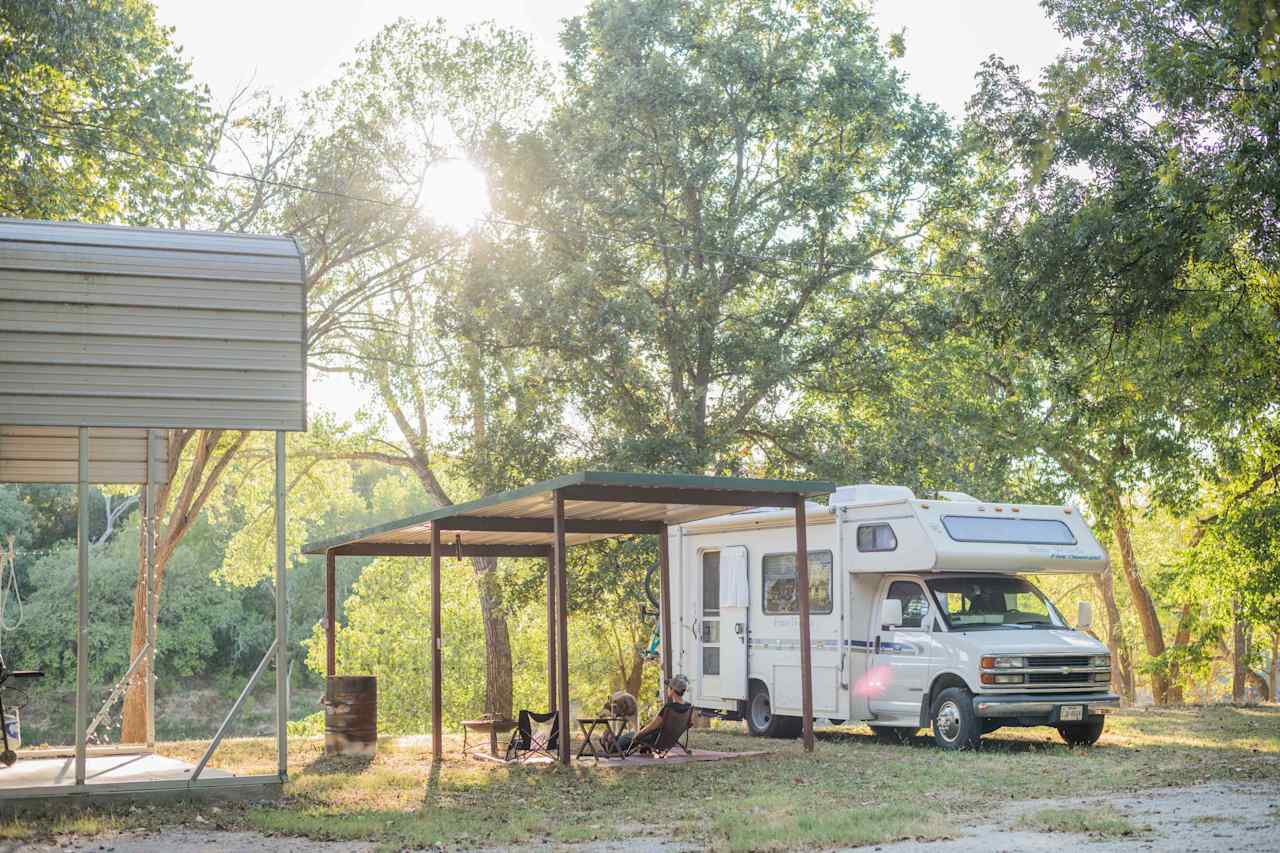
(806, 650)
(437, 727)
(153, 600)
(330, 618)
(562, 625)
(664, 576)
(551, 629)
(282, 619)
(82, 602)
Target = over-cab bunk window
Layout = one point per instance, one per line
(876, 537)
(780, 588)
(1013, 531)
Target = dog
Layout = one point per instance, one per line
(620, 704)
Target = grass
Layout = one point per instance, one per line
(1100, 822)
(850, 791)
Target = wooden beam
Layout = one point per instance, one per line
(503, 524)
(551, 630)
(664, 576)
(691, 497)
(330, 617)
(806, 650)
(396, 549)
(562, 628)
(437, 705)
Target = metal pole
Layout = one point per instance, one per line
(664, 576)
(153, 600)
(562, 626)
(437, 704)
(330, 617)
(82, 602)
(551, 629)
(806, 650)
(282, 619)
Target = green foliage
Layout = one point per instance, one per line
(96, 108)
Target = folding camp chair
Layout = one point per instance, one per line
(526, 743)
(674, 733)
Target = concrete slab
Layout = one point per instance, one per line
(100, 769)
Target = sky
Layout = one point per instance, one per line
(287, 46)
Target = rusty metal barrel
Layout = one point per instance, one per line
(351, 715)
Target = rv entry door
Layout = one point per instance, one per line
(735, 590)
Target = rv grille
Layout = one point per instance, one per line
(1041, 662)
(1059, 677)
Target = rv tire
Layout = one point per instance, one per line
(1083, 734)
(955, 726)
(761, 722)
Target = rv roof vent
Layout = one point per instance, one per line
(865, 493)
(958, 496)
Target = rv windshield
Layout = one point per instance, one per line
(989, 603)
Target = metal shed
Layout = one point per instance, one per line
(543, 520)
(109, 338)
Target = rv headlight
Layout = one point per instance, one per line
(1100, 660)
(1002, 678)
(1003, 663)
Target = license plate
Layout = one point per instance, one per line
(1071, 712)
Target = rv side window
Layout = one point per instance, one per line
(780, 593)
(876, 537)
(1016, 531)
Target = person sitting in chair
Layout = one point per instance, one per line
(648, 735)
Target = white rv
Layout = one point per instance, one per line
(921, 617)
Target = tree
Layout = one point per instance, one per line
(97, 113)
(715, 178)
(1129, 258)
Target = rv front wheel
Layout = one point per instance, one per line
(955, 726)
(762, 722)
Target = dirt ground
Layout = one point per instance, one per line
(1210, 818)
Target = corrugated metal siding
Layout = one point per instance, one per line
(139, 327)
(51, 455)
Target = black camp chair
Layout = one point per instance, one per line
(674, 733)
(527, 743)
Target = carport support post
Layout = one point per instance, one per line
(282, 619)
(437, 705)
(330, 618)
(806, 650)
(562, 625)
(82, 602)
(551, 629)
(664, 577)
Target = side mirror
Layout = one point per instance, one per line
(891, 612)
(1084, 616)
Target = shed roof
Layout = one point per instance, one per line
(598, 505)
(108, 326)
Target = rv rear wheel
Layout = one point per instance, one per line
(762, 722)
(955, 726)
(893, 734)
(1083, 734)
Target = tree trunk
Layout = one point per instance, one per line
(1122, 667)
(1239, 659)
(497, 640)
(1274, 694)
(134, 722)
(1142, 603)
(1180, 641)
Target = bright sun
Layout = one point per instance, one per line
(455, 194)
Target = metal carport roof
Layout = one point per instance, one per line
(598, 505)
